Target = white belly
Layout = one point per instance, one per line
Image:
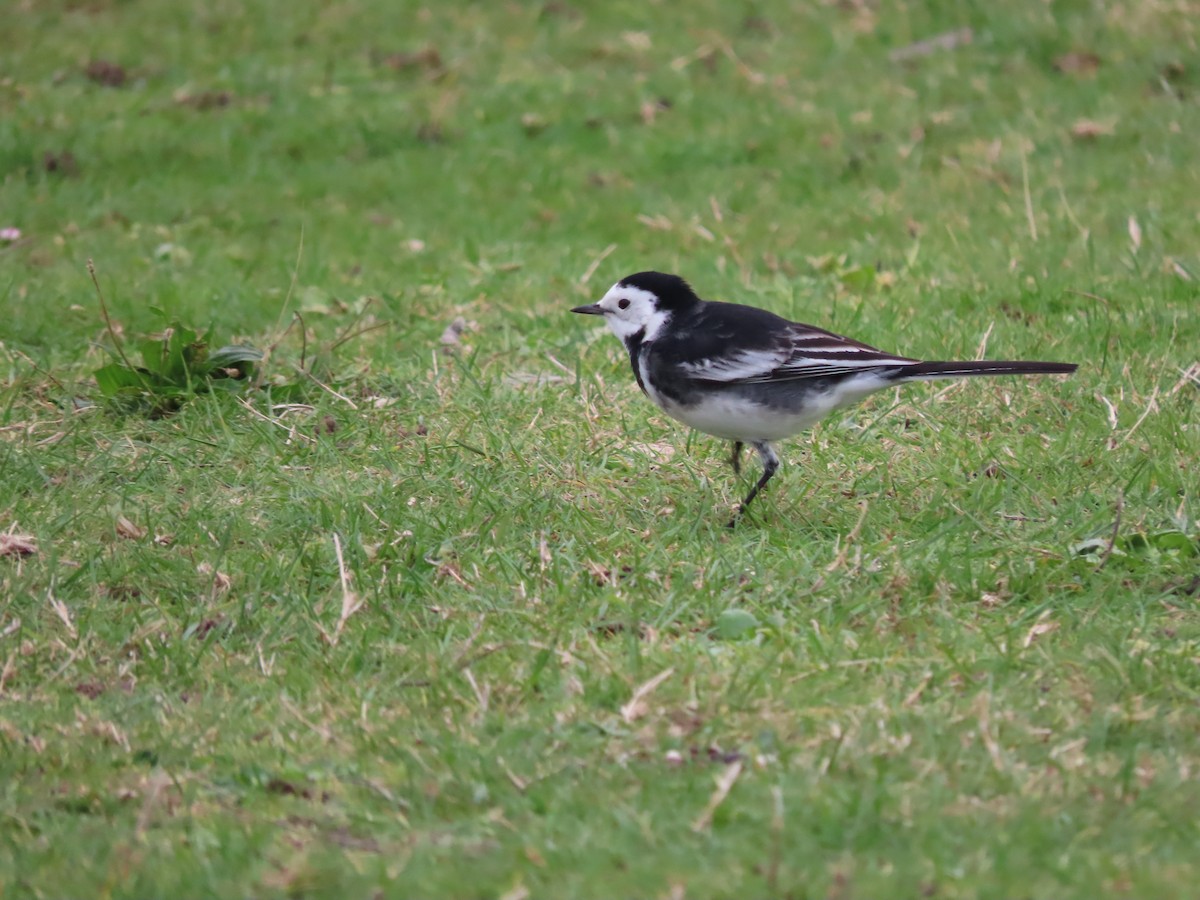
(736, 418)
(740, 421)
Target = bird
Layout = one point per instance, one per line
(749, 376)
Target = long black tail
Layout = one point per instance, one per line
(930, 371)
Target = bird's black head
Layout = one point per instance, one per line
(671, 291)
(638, 306)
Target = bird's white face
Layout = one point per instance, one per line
(628, 310)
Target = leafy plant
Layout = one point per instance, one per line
(176, 366)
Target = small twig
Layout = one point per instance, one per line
(358, 333)
(357, 318)
(1112, 538)
(296, 317)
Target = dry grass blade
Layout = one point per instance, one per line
(725, 783)
(292, 432)
(118, 344)
(947, 41)
(1042, 626)
(914, 696)
(64, 615)
(351, 603)
(1190, 375)
(595, 264)
(323, 731)
(636, 707)
(326, 388)
(1151, 407)
(1030, 219)
(985, 733)
(840, 559)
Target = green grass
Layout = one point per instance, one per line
(935, 695)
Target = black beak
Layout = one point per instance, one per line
(592, 309)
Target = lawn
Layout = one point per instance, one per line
(420, 610)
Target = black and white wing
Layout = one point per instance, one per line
(741, 345)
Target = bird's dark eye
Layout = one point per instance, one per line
(623, 303)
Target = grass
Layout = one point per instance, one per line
(464, 622)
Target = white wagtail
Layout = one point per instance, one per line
(749, 376)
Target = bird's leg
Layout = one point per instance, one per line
(736, 459)
(770, 461)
